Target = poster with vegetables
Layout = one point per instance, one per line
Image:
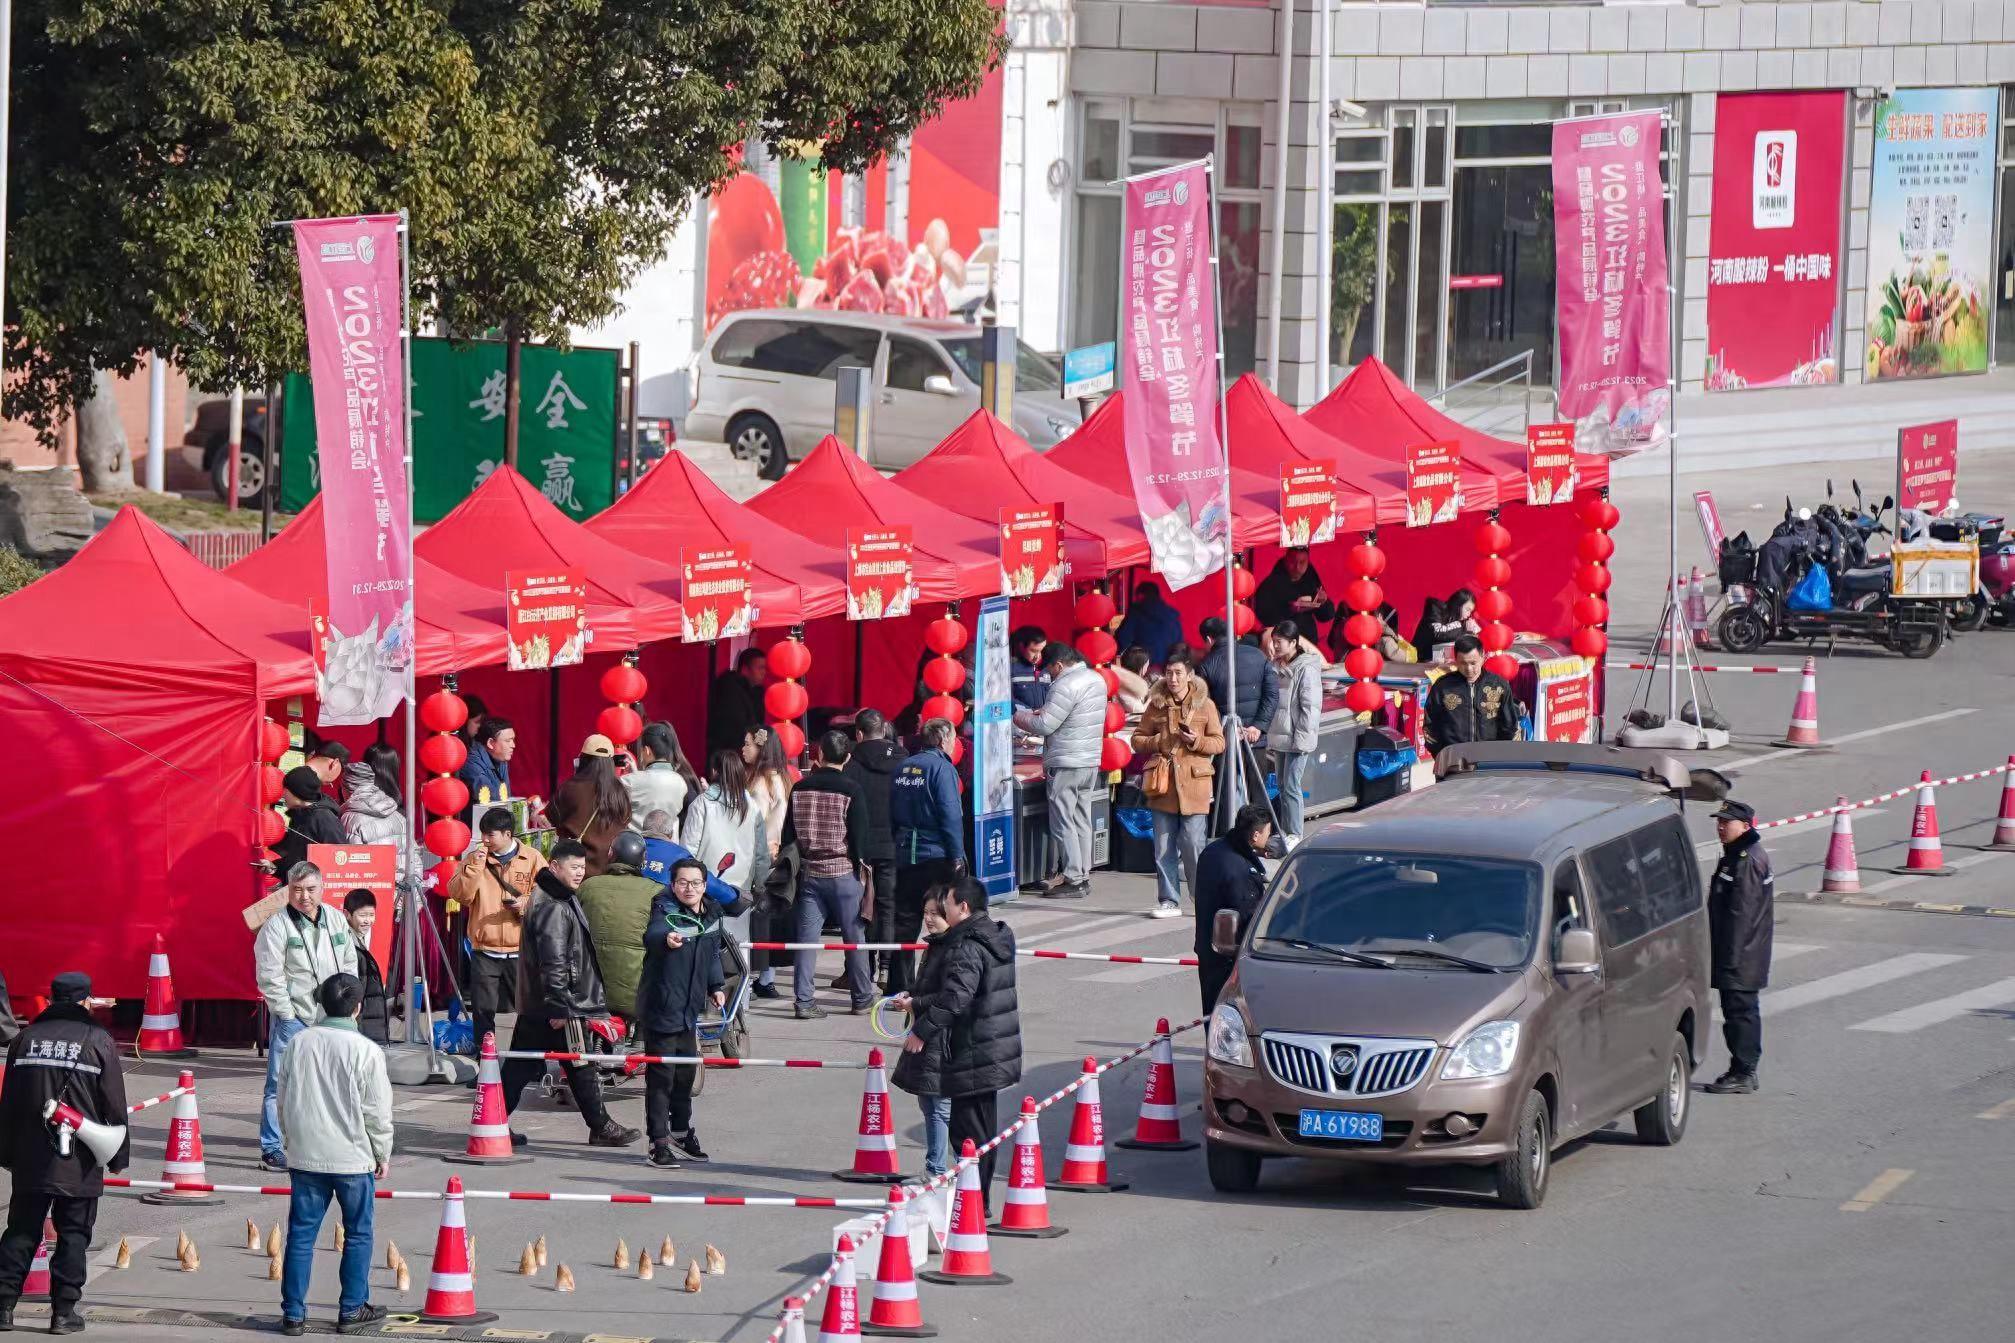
(1032, 550)
(1307, 503)
(1433, 483)
(715, 600)
(1930, 233)
(545, 618)
(881, 574)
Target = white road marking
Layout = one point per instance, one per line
(1788, 753)
(1853, 981)
(1905, 878)
(1039, 917)
(1784, 951)
(1127, 928)
(1877, 1189)
(105, 1260)
(1939, 1010)
(1136, 974)
(2005, 1110)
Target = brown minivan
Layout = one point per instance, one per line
(1471, 974)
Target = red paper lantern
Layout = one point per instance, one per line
(791, 737)
(443, 753)
(1114, 753)
(1363, 628)
(447, 837)
(1590, 642)
(444, 711)
(1363, 594)
(1493, 538)
(955, 751)
(438, 876)
(1598, 514)
(1094, 611)
(1595, 546)
(1364, 697)
(1243, 621)
(272, 741)
(946, 637)
(620, 724)
(1493, 604)
(272, 828)
(1592, 578)
(1495, 636)
(1493, 571)
(1365, 558)
(1502, 664)
(944, 674)
(623, 684)
(1591, 610)
(790, 659)
(1363, 664)
(1098, 647)
(1243, 584)
(1111, 679)
(788, 699)
(946, 707)
(271, 784)
(1115, 717)
(444, 795)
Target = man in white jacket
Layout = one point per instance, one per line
(336, 1112)
(1071, 723)
(304, 943)
(1297, 723)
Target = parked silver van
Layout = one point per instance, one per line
(764, 383)
(1471, 974)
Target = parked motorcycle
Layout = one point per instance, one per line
(1994, 599)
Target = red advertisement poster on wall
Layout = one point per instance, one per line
(880, 575)
(1307, 503)
(1567, 707)
(370, 867)
(546, 618)
(1433, 482)
(1927, 466)
(1031, 550)
(1774, 258)
(1549, 463)
(715, 599)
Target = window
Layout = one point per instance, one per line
(1570, 906)
(807, 349)
(1645, 881)
(1411, 907)
(1619, 891)
(1032, 372)
(910, 363)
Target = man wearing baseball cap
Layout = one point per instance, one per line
(1740, 914)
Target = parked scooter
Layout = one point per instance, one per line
(1994, 599)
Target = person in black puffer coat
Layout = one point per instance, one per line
(965, 1036)
(374, 1017)
(1229, 875)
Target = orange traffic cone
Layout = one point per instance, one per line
(489, 1125)
(1084, 1155)
(875, 1145)
(161, 1018)
(1026, 1213)
(1842, 872)
(183, 1162)
(1927, 854)
(1674, 624)
(2004, 824)
(35, 1287)
(1158, 1129)
(1804, 729)
(794, 1320)
(968, 1259)
(451, 1283)
(843, 1300)
(894, 1312)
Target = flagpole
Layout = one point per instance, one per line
(412, 905)
(1233, 742)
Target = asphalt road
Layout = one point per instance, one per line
(1865, 1193)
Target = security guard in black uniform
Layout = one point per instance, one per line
(1471, 704)
(1741, 912)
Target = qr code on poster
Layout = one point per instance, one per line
(1916, 219)
(1944, 219)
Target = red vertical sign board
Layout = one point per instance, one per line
(1710, 524)
(715, 600)
(546, 617)
(370, 867)
(1433, 483)
(1031, 550)
(881, 580)
(1568, 706)
(1549, 463)
(1307, 503)
(1927, 466)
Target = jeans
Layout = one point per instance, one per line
(69, 1262)
(283, 1032)
(1177, 842)
(305, 1210)
(668, 1087)
(1070, 794)
(1289, 767)
(1742, 1027)
(937, 1134)
(838, 899)
(976, 1116)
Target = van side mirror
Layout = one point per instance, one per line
(1577, 954)
(941, 384)
(1224, 932)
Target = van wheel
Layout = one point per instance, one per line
(1233, 1170)
(1661, 1121)
(1521, 1175)
(756, 438)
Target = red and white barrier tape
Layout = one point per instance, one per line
(1032, 953)
(639, 1060)
(161, 1099)
(811, 1289)
(1699, 667)
(523, 1195)
(1891, 795)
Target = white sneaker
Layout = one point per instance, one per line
(1166, 912)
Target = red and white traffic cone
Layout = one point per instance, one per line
(875, 1144)
(1674, 623)
(489, 1124)
(1158, 1129)
(1084, 1155)
(1804, 729)
(1842, 872)
(794, 1320)
(1696, 607)
(183, 1162)
(968, 1259)
(161, 1018)
(451, 1283)
(1927, 854)
(894, 1311)
(2004, 824)
(1026, 1212)
(35, 1287)
(843, 1298)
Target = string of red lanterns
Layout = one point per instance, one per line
(272, 825)
(945, 674)
(1363, 597)
(1092, 614)
(1244, 620)
(786, 700)
(1493, 602)
(1592, 577)
(625, 687)
(444, 797)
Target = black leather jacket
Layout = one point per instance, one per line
(558, 974)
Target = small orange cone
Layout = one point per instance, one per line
(843, 1300)
(894, 1312)
(1084, 1155)
(1158, 1129)
(1026, 1212)
(1804, 729)
(1842, 872)
(36, 1286)
(875, 1144)
(968, 1259)
(1696, 607)
(2004, 824)
(794, 1320)
(451, 1284)
(161, 1018)
(489, 1126)
(183, 1161)
(1927, 853)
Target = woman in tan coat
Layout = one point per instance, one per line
(1180, 731)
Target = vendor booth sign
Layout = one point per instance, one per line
(368, 867)
(993, 752)
(1565, 704)
(881, 573)
(546, 617)
(1032, 550)
(1307, 503)
(1927, 466)
(715, 601)
(1549, 463)
(1433, 483)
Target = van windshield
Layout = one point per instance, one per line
(1414, 910)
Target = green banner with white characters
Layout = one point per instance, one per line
(568, 408)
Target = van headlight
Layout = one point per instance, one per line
(1486, 1051)
(1228, 1042)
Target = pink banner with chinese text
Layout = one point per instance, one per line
(353, 298)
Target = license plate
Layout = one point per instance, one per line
(1343, 1125)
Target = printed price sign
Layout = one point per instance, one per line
(546, 617)
(1307, 503)
(1433, 483)
(1567, 708)
(881, 578)
(370, 867)
(715, 601)
(1549, 463)
(1927, 466)
(1032, 550)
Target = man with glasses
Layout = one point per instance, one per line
(302, 944)
(682, 978)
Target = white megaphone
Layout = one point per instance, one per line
(103, 1140)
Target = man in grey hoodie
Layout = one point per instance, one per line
(1296, 723)
(1072, 726)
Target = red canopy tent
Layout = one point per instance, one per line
(139, 676)
(1264, 432)
(457, 625)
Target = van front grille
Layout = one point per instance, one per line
(1393, 1071)
(1296, 1065)
(1381, 1067)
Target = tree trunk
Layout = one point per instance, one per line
(104, 460)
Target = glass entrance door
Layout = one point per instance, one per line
(1501, 280)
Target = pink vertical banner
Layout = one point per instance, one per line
(353, 296)
(1169, 373)
(1611, 281)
